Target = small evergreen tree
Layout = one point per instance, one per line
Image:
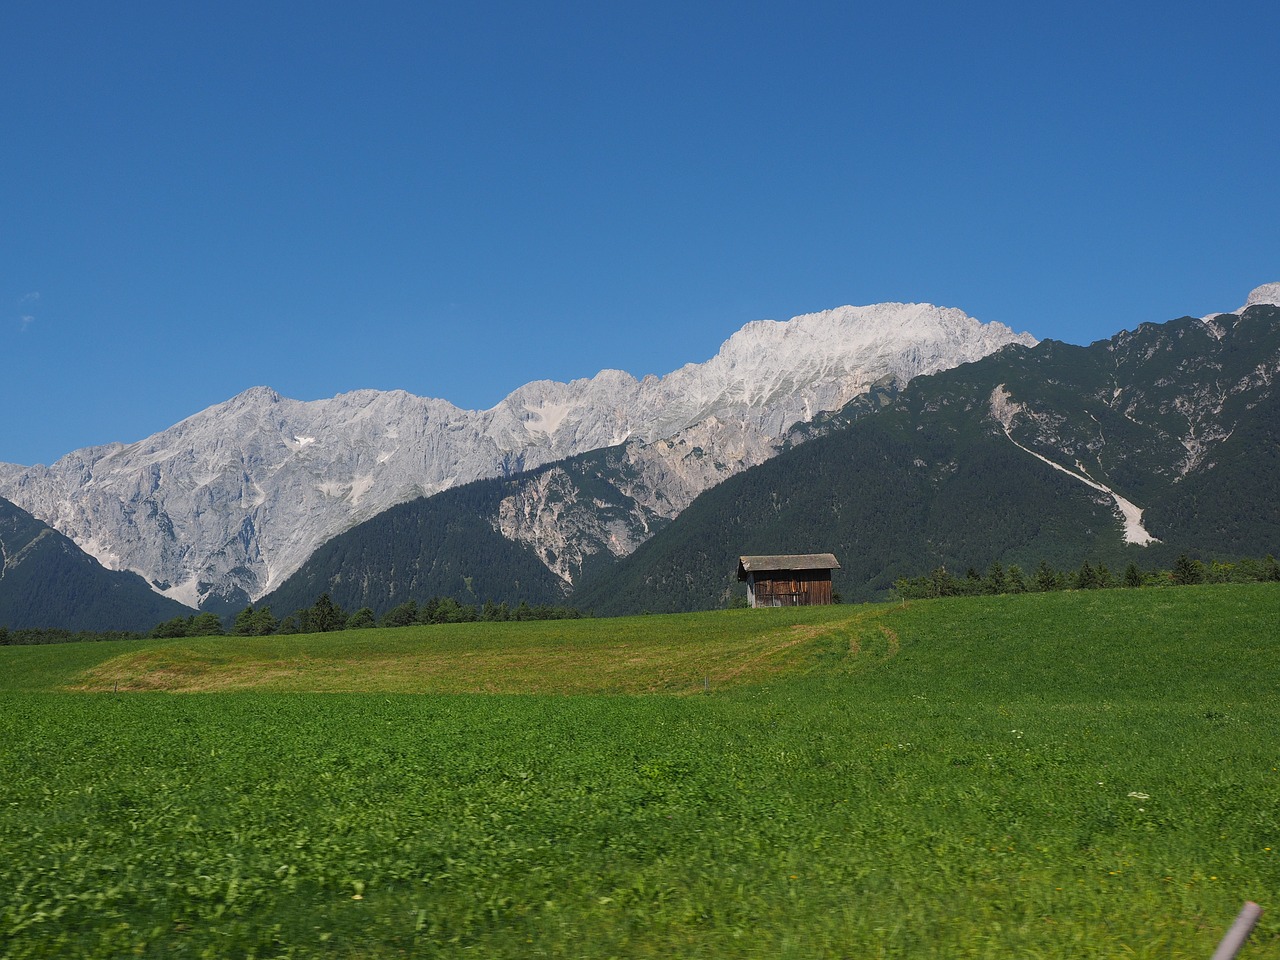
(327, 616)
(401, 616)
(1086, 577)
(1187, 571)
(996, 581)
(972, 582)
(1132, 575)
(243, 626)
(447, 610)
(943, 584)
(205, 625)
(264, 622)
(361, 619)
(171, 629)
(1017, 582)
(1046, 578)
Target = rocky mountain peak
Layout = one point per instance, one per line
(1267, 293)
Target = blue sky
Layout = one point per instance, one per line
(455, 199)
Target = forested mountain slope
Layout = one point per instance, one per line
(1155, 442)
(441, 546)
(47, 581)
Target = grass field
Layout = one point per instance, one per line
(1061, 775)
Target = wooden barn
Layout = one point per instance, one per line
(801, 580)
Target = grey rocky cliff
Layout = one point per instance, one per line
(229, 502)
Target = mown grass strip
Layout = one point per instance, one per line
(646, 655)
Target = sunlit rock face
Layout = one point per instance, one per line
(228, 503)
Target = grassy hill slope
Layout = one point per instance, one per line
(1052, 775)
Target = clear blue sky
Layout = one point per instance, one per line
(455, 199)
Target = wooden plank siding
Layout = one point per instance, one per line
(800, 580)
(792, 588)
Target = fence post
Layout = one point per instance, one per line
(1239, 932)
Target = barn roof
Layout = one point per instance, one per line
(796, 561)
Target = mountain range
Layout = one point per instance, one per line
(223, 507)
(899, 436)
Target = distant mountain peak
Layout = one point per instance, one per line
(260, 394)
(1267, 293)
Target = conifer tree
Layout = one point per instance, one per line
(361, 619)
(1187, 571)
(327, 616)
(1017, 582)
(996, 582)
(402, 615)
(205, 625)
(243, 626)
(1086, 577)
(1046, 578)
(264, 622)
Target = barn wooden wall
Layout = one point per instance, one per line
(792, 588)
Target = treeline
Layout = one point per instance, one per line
(1090, 576)
(325, 616)
(28, 636)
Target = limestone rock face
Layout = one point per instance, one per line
(228, 503)
(1268, 294)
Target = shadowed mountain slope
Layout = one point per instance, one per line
(47, 581)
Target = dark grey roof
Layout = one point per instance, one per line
(797, 561)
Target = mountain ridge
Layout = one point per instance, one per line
(224, 505)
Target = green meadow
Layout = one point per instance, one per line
(1082, 774)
